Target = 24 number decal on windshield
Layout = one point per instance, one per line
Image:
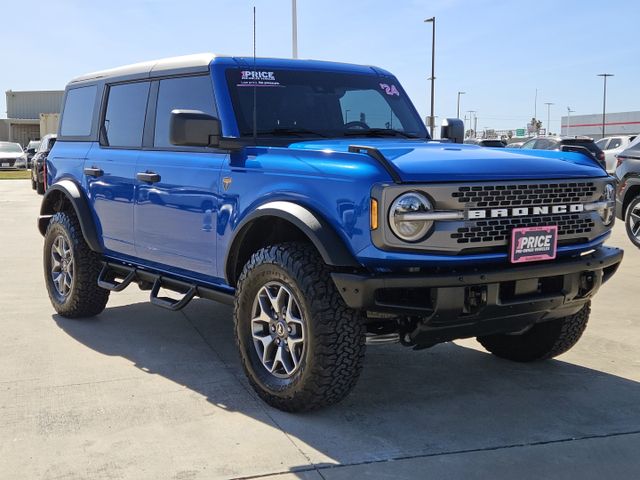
(389, 89)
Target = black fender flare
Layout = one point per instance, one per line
(323, 236)
(73, 193)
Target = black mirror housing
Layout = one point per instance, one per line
(194, 128)
(452, 129)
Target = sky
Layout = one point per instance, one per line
(498, 52)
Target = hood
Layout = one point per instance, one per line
(420, 161)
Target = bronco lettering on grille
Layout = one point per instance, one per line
(523, 211)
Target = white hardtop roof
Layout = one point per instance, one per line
(196, 62)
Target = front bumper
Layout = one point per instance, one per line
(469, 302)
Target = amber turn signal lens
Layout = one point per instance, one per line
(374, 214)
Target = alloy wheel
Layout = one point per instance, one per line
(278, 329)
(62, 265)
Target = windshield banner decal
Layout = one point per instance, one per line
(258, 78)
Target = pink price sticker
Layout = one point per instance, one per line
(532, 244)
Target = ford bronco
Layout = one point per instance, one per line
(310, 196)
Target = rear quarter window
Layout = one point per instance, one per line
(77, 115)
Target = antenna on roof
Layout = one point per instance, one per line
(255, 87)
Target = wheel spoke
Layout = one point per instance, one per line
(267, 342)
(55, 263)
(59, 281)
(67, 282)
(636, 229)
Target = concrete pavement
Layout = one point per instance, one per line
(139, 392)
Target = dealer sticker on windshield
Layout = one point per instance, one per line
(532, 244)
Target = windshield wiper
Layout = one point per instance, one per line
(299, 132)
(379, 132)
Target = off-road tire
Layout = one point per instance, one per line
(33, 183)
(542, 341)
(85, 297)
(39, 187)
(627, 221)
(335, 334)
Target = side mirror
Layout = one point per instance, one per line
(194, 128)
(452, 129)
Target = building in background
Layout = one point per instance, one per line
(30, 115)
(624, 123)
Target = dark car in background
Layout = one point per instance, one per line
(30, 150)
(628, 191)
(584, 145)
(486, 142)
(38, 162)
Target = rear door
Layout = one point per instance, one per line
(177, 187)
(111, 165)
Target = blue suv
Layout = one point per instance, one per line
(311, 197)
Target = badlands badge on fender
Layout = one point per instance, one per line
(531, 244)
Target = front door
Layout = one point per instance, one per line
(177, 188)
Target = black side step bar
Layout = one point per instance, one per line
(111, 272)
(170, 303)
(113, 284)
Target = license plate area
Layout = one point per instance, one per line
(534, 244)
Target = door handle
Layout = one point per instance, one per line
(150, 177)
(93, 172)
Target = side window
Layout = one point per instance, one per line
(602, 143)
(190, 93)
(541, 144)
(529, 145)
(51, 143)
(77, 115)
(614, 143)
(124, 118)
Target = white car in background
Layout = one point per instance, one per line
(611, 146)
(12, 155)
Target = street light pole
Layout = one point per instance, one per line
(459, 93)
(294, 29)
(569, 112)
(604, 99)
(548, 104)
(432, 122)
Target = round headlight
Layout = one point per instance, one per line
(402, 209)
(608, 213)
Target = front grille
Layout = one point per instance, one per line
(491, 232)
(487, 196)
(499, 230)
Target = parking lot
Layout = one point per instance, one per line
(140, 392)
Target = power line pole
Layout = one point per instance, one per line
(548, 104)
(604, 100)
(294, 29)
(432, 122)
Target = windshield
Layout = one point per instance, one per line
(320, 103)
(8, 147)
